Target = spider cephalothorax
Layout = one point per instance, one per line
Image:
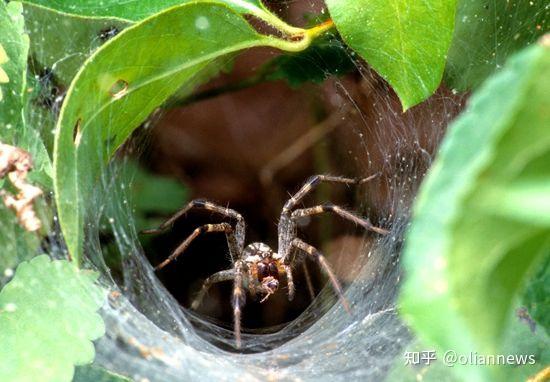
(264, 269)
(256, 267)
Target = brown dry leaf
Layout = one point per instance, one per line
(15, 163)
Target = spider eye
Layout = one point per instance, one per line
(262, 271)
(272, 270)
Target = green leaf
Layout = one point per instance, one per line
(519, 339)
(47, 321)
(486, 33)
(16, 243)
(13, 127)
(405, 41)
(132, 10)
(151, 197)
(64, 49)
(537, 295)
(154, 194)
(119, 86)
(91, 373)
(13, 59)
(466, 258)
(83, 26)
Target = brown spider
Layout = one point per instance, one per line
(256, 267)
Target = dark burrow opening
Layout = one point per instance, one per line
(260, 208)
(251, 149)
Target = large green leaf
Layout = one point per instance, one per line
(82, 26)
(13, 59)
(47, 321)
(151, 197)
(405, 41)
(126, 80)
(13, 127)
(132, 10)
(481, 219)
(537, 295)
(154, 194)
(16, 243)
(63, 49)
(487, 32)
(520, 341)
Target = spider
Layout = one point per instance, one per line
(108, 33)
(256, 267)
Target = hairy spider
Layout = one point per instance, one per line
(256, 267)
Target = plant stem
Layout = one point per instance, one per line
(317, 30)
(268, 17)
(300, 40)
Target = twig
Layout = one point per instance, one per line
(299, 147)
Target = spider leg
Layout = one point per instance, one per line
(312, 182)
(239, 298)
(287, 225)
(226, 275)
(363, 222)
(252, 291)
(203, 204)
(289, 281)
(222, 227)
(308, 281)
(314, 253)
(195, 204)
